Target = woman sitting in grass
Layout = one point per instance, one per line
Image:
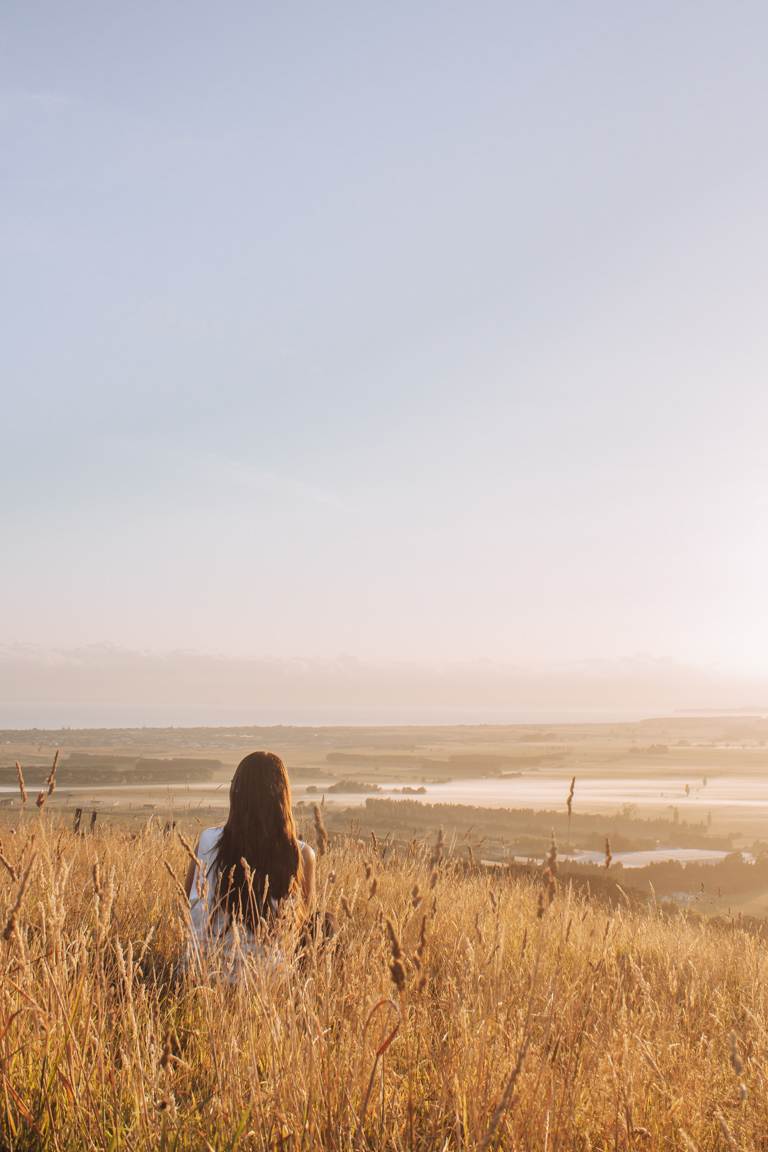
(252, 873)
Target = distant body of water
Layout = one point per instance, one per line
(593, 794)
(533, 790)
(653, 856)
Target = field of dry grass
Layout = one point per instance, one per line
(454, 1009)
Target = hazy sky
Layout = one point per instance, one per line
(405, 330)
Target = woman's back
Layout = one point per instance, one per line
(211, 922)
(251, 871)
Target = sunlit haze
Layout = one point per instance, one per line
(412, 333)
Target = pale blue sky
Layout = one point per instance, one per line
(420, 331)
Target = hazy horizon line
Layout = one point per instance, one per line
(113, 687)
(344, 720)
(106, 649)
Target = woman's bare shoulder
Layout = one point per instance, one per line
(307, 853)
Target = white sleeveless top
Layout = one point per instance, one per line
(215, 930)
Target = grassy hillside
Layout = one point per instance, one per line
(455, 1009)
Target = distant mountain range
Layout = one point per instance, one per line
(109, 686)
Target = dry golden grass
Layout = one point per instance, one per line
(446, 1014)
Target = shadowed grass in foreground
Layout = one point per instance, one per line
(454, 1009)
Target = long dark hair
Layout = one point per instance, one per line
(258, 859)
